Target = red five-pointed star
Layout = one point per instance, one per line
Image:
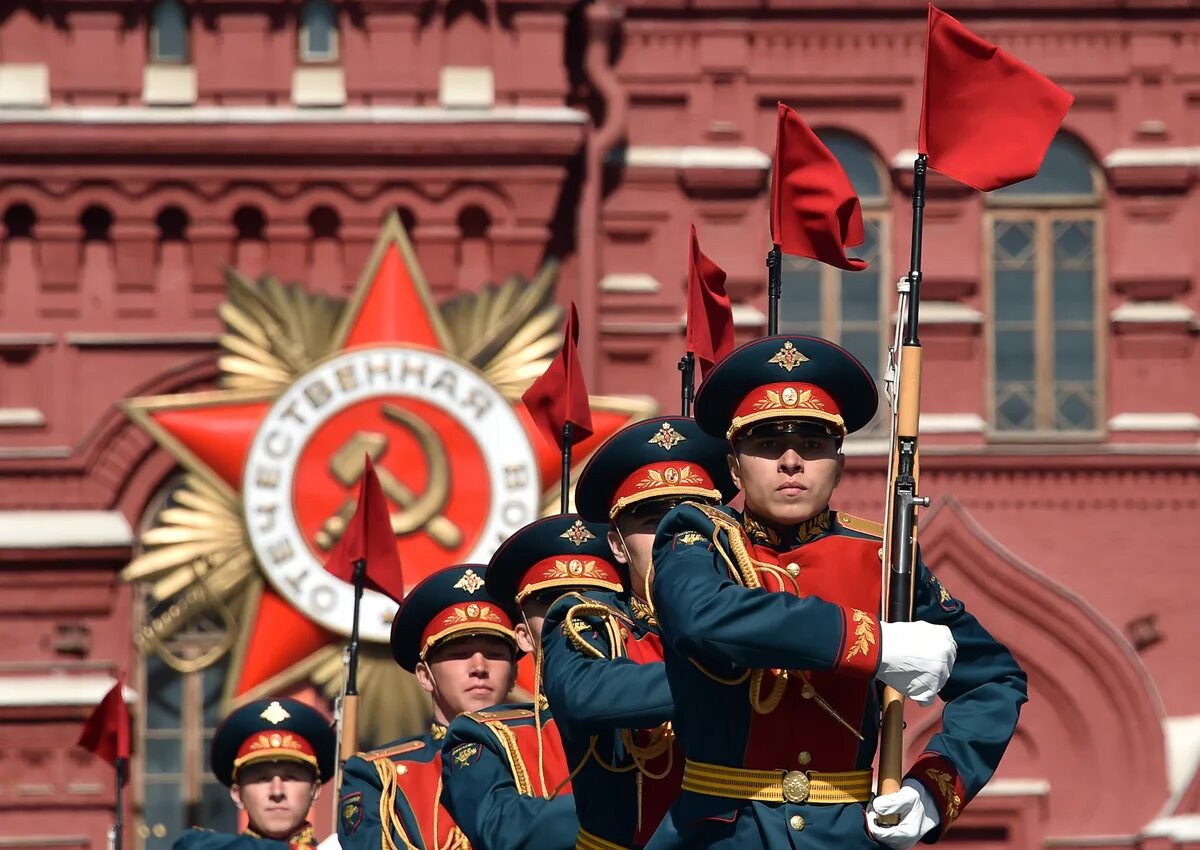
(425, 449)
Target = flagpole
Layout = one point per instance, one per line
(565, 491)
(687, 382)
(122, 765)
(349, 738)
(774, 288)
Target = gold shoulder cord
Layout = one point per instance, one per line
(742, 567)
(574, 624)
(387, 806)
(508, 741)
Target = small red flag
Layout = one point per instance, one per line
(987, 118)
(106, 731)
(814, 210)
(369, 536)
(560, 395)
(709, 312)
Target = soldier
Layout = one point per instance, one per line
(273, 754)
(506, 777)
(603, 655)
(461, 645)
(774, 649)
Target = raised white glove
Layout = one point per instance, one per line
(918, 814)
(916, 658)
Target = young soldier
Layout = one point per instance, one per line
(273, 755)
(603, 669)
(774, 646)
(461, 645)
(506, 777)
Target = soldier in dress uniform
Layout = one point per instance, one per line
(273, 754)
(603, 655)
(506, 775)
(774, 648)
(461, 645)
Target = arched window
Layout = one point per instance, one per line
(475, 250)
(849, 308)
(172, 224)
(19, 220)
(169, 33)
(1044, 292)
(318, 32)
(96, 222)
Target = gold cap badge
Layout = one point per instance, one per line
(788, 357)
(470, 582)
(578, 534)
(667, 437)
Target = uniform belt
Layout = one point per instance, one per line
(586, 841)
(777, 786)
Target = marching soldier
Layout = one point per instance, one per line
(506, 776)
(461, 645)
(604, 673)
(273, 754)
(774, 648)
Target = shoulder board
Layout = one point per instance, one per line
(854, 523)
(392, 752)
(718, 517)
(506, 714)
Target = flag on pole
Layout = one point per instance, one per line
(987, 118)
(709, 312)
(560, 396)
(106, 731)
(369, 537)
(815, 212)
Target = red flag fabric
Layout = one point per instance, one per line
(987, 118)
(560, 395)
(710, 312)
(814, 210)
(369, 536)
(106, 731)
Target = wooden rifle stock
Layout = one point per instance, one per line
(900, 534)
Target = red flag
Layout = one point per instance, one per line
(106, 731)
(709, 313)
(369, 536)
(814, 210)
(560, 395)
(986, 118)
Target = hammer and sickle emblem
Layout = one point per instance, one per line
(417, 512)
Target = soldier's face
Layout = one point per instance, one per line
(529, 632)
(632, 539)
(276, 796)
(467, 674)
(787, 477)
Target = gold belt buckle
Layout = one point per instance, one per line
(795, 786)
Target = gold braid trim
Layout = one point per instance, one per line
(387, 806)
(574, 624)
(508, 740)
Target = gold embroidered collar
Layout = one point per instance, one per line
(437, 730)
(807, 531)
(642, 611)
(304, 836)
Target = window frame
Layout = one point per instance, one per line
(303, 56)
(192, 777)
(153, 56)
(877, 211)
(1044, 211)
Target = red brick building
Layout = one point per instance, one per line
(144, 144)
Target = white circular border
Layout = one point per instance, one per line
(268, 477)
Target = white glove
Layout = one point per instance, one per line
(918, 814)
(916, 658)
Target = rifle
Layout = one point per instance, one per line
(903, 380)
